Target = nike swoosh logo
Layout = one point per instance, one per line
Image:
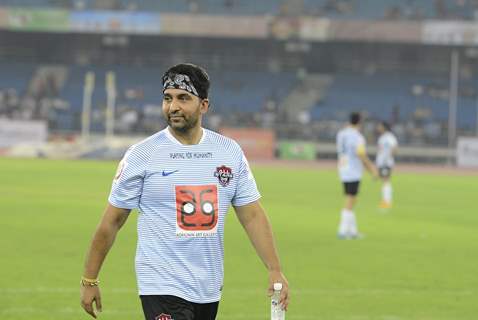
(165, 173)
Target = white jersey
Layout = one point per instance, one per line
(183, 193)
(349, 143)
(386, 143)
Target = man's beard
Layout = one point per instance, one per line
(187, 124)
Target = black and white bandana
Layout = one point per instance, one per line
(179, 81)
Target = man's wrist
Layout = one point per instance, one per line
(88, 282)
(275, 269)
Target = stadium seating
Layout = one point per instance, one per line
(337, 9)
(27, 3)
(382, 96)
(237, 91)
(364, 9)
(248, 91)
(15, 76)
(378, 94)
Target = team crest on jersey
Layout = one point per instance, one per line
(120, 169)
(224, 175)
(164, 316)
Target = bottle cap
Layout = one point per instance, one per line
(277, 286)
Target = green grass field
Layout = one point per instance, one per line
(418, 261)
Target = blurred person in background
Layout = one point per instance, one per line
(182, 179)
(352, 157)
(386, 148)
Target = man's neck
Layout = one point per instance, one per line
(190, 137)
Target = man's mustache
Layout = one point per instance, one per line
(175, 114)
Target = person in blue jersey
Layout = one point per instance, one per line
(352, 157)
(182, 180)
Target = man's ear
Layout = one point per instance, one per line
(204, 105)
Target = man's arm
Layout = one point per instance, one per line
(394, 150)
(362, 154)
(258, 228)
(113, 219)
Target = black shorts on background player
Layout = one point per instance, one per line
(351, 188)
(175, 308)
(384, 172)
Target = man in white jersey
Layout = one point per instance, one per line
(182, 180)
(387, 146)
(352, 156)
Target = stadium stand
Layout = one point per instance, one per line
(14, 80)
(417, 104)
(377, 95)
(337, 9)
(15, 75)
(251, 89)
(138, 90)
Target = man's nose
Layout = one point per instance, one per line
(174, 105)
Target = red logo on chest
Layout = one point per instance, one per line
(197, 207)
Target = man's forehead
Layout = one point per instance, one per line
(177, 92)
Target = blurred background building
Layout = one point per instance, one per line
(291, 69)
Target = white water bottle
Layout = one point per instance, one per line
(276, 310)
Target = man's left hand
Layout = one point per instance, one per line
(278, 277)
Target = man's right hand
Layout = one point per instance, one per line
(375, 173)
(88, 294)
(112, 221)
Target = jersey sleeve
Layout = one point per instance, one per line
(394, 142)
(246, 191)
(128, 182)
(340, 144)
(360, 148)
